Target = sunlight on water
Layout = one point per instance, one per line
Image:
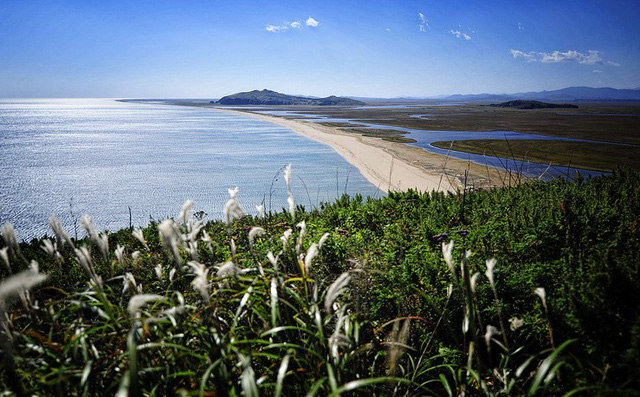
(97, 156)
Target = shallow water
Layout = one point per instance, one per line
(99, 156)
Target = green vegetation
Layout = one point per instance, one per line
(590, 156)
(401, 297)
(385, 134)
(520, 104)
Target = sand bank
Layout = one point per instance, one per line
(388, 165)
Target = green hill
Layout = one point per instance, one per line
(268, 97)
(520, 104)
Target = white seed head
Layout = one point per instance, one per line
(201, 281)
(253, 233)
(49, 247)
(5, 258)
(136, 255)
(543, 296)
(137, 233)
(491, 264)
(18, 283)
(335, 289)
(292, 207)
(287, 177)
(447, 252)
(273, 260)
(9, 236)
(312, 252)
(138, 301)
(158, 270)
(260, 211)
(172, 274)
(322, 240)
(473, 281)
(227, 269)
(232, 211)
(184, 213)
(58, 230)
(285, 238)
(233, 192)
(515, 323)
(491, 331)
(449, 291)
(119, 253)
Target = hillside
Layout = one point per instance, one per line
(268, 97)
(520, 104)
(569, 94)
(391, 296)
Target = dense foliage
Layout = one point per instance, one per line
(400, 298)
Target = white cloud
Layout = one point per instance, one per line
(388, 30)
(296, 25)
(460, 35)
(312, 22)
(275, 28)
(520, 26)
(424, 23)
(597, 71)
(592, 57)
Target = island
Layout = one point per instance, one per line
(268, 97)
(519, 104)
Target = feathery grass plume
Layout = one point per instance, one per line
(491, 264)
(397, 344)
(58, 230)
(260, 211)
(138, 301)
(9, 237)
(192, 249)
(84, 258)
(169, 236)
(491, 331)
(323, 239)
(312, 252)
(233, 192)
(248, 377)
(447, 252)
(273, 260)
(172, 274)
(207, 240)
(303, 231)
(232, 209)
(193, 231)
(119, 253)
(100, 240)
(227, 269)
(232, 244)
(184, 213)
(473, 281)
(135, 255)
(287, 178)
(542, 294)
(335, 290)
(449, 291)
(515, 323)
(337, 339)
(255, 231)
(4, 254)
(137, 233)
(285, 238)
(292, 208)
(51, 248)
(14, 285)
(129, 284)
(201, 281)
(158, 270)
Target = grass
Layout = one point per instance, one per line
(401, 297)
(590, 156)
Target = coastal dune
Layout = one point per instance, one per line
(390, 166)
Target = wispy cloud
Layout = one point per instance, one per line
(592, 57)
(293, 25)
(460, 35)
(312, 22)
(424, 23)
(520, 26)
(597, 71)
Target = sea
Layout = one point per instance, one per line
(127, 163)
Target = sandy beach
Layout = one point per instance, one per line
(388, 165)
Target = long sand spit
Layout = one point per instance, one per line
(391, 166)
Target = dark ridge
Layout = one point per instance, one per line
(268, 97)
(519, 104)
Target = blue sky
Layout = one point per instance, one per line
(211, 48)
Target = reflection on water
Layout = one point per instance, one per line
(72, 157)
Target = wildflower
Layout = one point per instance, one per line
(440, 236)
(292, 208)
(255, 231)
(260, 210)
(491, 264)
(137, 233)
(447, 252)
(287, 178)
(312, 252)
(462, 232)
(322, 240)
(184, 213)
(543, 296)
(515, 323)
(138, 301)
(335, 289)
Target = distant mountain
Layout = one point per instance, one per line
(268, 97)
(570, 94)
(532, 105)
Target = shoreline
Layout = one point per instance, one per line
(390, 166)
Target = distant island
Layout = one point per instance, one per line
(519, 104)
(268, 97)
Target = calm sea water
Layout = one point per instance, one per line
(99, 157)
